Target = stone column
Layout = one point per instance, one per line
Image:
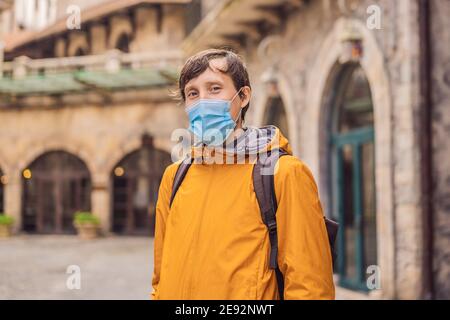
(60, 47)
(100, 199)
(98, 36)
(13, 196)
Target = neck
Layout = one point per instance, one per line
(236, 133)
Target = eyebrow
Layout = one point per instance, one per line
(189, 87)
(214, 82)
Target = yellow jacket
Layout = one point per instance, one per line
(213, 244)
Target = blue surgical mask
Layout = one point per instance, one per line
(210, 120)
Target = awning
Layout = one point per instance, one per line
(81, 81)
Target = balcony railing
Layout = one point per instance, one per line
(106, 73)
(112, 61)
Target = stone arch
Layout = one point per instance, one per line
(77, 43)
(129, 145)
(123, 42)
(4, 165)
(37, 149)
(286, 93)
(320, 77)
(135, 181)
(122, 26)
(57, 184)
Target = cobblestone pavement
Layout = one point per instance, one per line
(34, 267)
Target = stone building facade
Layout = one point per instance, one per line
(401, 49)
(87, 122)
(361, 88)
(440, 124)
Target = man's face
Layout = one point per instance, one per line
(214, 84)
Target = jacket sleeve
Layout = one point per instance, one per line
(304, 251)
(162, 212)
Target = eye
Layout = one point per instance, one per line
(191, 94)
(215, 88)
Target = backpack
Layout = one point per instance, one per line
(263, 184)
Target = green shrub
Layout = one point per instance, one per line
(6, 220)
(82, 217)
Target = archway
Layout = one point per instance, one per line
(135, 181)
(80, 51)
(55, 186)
(264, 99)
(352, 159)
(123, 43)
(275, 113)
(318, 86)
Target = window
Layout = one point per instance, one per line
(353, 177)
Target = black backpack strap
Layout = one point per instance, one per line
(263, 184)
(179, 177)
(332, 230)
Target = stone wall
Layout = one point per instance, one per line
(154, 31)
(100, 135)
(441, 145)
(309, 50)
(391, 62)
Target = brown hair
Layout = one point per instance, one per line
(199, 62)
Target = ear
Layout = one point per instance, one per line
(245, 95)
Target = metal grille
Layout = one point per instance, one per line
(57, 186)
(136, 181)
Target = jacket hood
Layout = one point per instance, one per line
(250, 140)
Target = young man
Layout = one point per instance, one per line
(211, 242)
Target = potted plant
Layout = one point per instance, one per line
(86, 224)
(6, 223)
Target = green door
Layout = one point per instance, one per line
(353, 178)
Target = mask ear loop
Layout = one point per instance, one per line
(237, 118)
(240, 111)
(235, 95)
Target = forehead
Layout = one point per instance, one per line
(212, 74)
